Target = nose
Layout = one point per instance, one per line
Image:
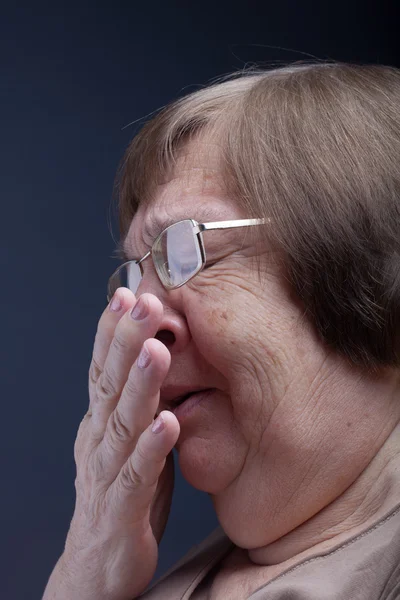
(174, 331)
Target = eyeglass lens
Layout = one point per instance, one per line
(176, 254)
(127, 275)
(177, 257)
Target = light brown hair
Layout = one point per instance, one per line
(315, 147)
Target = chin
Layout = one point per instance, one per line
(205, 464)
(197, 466)
(210, 448)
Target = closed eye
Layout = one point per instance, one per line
(210, 264)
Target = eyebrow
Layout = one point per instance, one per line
(153, 228)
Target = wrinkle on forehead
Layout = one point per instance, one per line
(197, 170)
(194, 189)
(196, 182)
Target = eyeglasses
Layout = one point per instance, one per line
(178, 255)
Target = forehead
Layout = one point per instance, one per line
(194, 189)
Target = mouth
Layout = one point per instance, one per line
(178, 401)
(193, 396)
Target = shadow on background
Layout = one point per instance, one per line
(71, 79)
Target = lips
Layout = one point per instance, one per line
(182, 399)
(171, 398)
(186, 404)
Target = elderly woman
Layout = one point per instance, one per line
(255, 327)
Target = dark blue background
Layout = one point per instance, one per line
(72, 77)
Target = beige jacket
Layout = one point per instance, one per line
(365, 567)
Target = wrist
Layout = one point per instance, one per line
(67, 582)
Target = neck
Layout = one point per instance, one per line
(374, 493)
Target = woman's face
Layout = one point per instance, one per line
(255, 443)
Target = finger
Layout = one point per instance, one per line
(122, 301)
(136, 408)
(161, 501)
(133, 489)
(129, 336)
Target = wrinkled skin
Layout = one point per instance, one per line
(124, 478)
(292, 425)
(289, 427)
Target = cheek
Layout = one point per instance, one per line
(213, 318)
(230, 343)
(213, 451)
(223, 329)
(216, 335)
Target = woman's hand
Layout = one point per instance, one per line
(124, 482)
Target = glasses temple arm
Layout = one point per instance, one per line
(228, 224)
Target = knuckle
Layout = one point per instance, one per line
(94, 372)
(105, 387)
(121, 343)
(130, 479)
(131, 385)
(119, 431)
(98, 466)
(141, 456)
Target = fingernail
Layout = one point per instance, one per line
(158, 425)
(144, 358)
(115, 304)
(140, 310)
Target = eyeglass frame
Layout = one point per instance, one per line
(199, 228)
